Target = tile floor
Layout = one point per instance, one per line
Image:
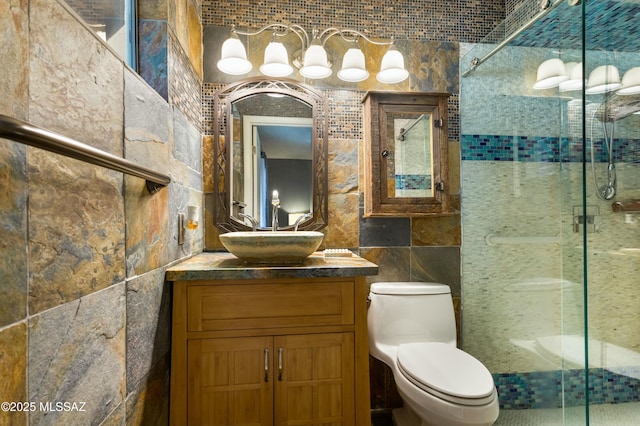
(627, 414)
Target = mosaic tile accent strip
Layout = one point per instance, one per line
(465, 21)
(345, 113)
(208, 106)
(543, 149)
(185, 85)
(544, 389)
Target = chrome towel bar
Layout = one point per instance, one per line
(21, 131)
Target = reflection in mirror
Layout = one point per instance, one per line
(274, 141)
(114, 21)
(410, 163)
(271, 153)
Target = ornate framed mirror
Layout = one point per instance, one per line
(270, 135)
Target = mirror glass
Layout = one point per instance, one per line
(271, 137)
(409, 161)
(271, 153)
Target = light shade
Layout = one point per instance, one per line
(234, 57)
(316, 64)
(353, 66)
(604, 78)
(276, 61)
(630, 82)
(551, 73)
(392, 67)
(576, 79)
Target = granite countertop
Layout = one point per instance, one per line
(225, 266)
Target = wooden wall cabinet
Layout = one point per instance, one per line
(289, 351)
(406, 154)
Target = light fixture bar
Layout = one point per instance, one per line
(314, 63)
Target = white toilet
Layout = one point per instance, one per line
(412, 329)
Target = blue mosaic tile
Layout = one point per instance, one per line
(543, 149)
(563, 27)
(413, 181)
(553, 389)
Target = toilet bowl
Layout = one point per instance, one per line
(412, 330)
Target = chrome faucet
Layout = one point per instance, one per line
(275, 202)
(300, 219)
(254, 222)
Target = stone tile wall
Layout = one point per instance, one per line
(84, 308)
(429, 34)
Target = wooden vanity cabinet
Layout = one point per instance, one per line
(270, 352)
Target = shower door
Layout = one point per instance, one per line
(612, 186)
(550, 214)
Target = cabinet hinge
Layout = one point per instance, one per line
(440, 186)
(438, 122)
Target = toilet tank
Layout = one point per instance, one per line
(407, 312)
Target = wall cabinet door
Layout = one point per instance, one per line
(230, 381)
(282, 380)
(406, 154)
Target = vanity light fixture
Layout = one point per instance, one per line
(603, 79)
(276, 60)
(353, 66)
(392, 69)
(551, 73)
(576, 80)
(313, 61)
(630, 82)
(234, 60)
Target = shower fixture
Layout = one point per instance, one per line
(608, 190)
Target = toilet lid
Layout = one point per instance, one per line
(446, 372)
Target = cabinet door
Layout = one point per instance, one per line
(230, 381)
(315, 379)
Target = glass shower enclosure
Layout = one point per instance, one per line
(550, 149)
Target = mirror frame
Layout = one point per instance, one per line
(222, 163)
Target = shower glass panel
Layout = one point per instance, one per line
(612, 183)
(114, 21)
(551, 215)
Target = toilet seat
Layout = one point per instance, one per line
(446, 372)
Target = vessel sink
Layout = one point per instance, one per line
(280, 247)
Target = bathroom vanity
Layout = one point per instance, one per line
(270, 345)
